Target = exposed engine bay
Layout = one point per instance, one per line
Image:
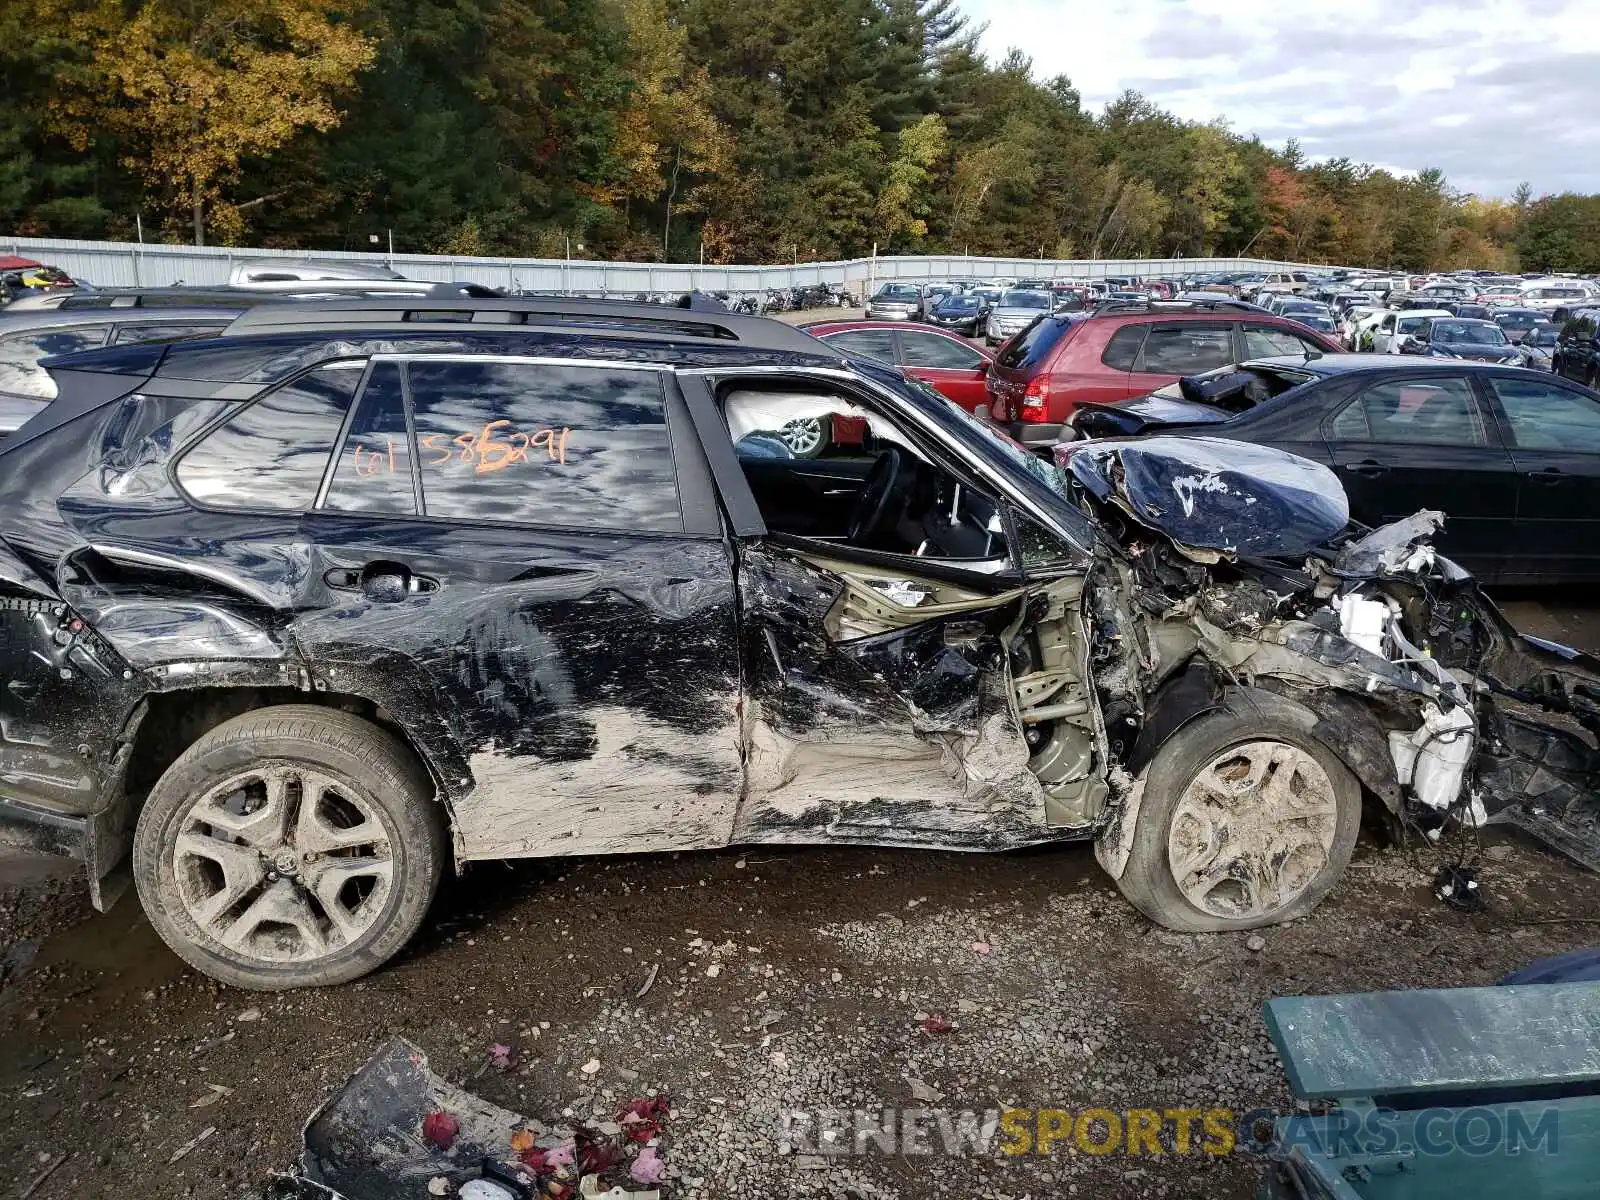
(1412, 675)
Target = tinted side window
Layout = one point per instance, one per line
(872, 343)
(931, 350)
(574, 447)
(1124, 346)
(20, 372)
(1544, 417)
(373, 473)
(1186, 350)
(1579, 329)
(271, 455)
(1433, 411)
(171, 331)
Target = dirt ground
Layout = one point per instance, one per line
(788, 980)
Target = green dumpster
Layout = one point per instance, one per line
(1428, 1095)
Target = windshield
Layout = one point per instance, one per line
(1541, 337)
(1018, 299)
(957, 304)
(1477, 333)
(1043, 481)
(1518, 320)
(1413, 324)
(897, 291)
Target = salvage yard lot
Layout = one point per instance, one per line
(1079, 1002)
(1062, 996)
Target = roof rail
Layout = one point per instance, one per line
(453, 305)
(226, 296)
(1154, 305)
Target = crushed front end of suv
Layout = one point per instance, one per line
(302, 616)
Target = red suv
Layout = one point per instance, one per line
(1060, 362)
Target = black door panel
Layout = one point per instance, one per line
(1555, 449)
(902, 735)
(1402, 445)
(590, 680)
(810, 498)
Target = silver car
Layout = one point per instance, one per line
(1014, 312)
(896, 302)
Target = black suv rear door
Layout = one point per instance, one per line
(529, 553)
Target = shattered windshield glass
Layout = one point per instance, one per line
(1013, 451)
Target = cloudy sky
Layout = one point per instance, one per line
(1493, 92)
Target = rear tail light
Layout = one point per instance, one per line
(1036, 400)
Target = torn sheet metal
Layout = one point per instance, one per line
(1399, 546)
(904, 737)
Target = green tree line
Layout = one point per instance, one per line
(668, 130)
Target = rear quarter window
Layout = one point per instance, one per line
(271, 454)
(1123, 349)
(1035, 343)
(20, 372)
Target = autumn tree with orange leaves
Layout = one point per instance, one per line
(193, 88)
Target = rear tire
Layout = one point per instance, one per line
(295, 846)
(1243, 823)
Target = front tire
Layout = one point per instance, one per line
(295, 846)
(1242, 824)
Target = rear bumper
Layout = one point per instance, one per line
(44, 832)
(99, 842)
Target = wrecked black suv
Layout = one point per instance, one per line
(304, 614)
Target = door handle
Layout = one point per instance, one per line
(342, 579)
(1547, 475)
(384, 582)
(1367, 467)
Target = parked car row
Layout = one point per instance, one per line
(1510, 457)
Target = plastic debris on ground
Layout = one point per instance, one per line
(1457, 886)
(396, 1130)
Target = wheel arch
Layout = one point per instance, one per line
(1348, 727)
(166, 723)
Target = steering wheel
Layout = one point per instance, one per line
(885, 484)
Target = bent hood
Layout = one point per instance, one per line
(1216, 496)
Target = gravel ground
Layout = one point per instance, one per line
(796, 979)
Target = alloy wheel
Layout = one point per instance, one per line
(1252, 830)
(283, 863)
(803, 436)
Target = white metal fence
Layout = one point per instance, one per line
(130, 264)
